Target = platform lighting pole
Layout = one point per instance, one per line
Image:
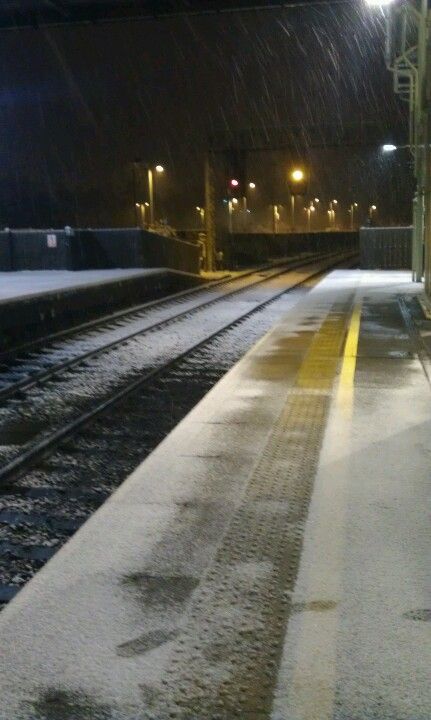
(292, 211)
(158, 169)
(308, 211)
(352, 209)
(331, 211)
(275, 219)
(316, 204)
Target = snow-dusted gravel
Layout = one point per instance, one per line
(49, 503)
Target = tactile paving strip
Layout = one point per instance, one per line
(226, 660)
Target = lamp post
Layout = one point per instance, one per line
(371, 210)
(201, 212)
(310, 209)
(296, 184)
(316, 205)
(331, 212)
(158, 169)
(230, 211)
(352, 209)
(141, 209)
(275, 219)
(252, 186)
(230, 207)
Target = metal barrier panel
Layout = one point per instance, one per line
(386, 248)
(95, 248)
(39, 249)
(245, 249)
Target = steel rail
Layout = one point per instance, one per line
(38, 378)
(129, 311)
(25, 460)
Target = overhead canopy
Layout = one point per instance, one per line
(35, 13)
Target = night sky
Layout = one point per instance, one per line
(79, 103)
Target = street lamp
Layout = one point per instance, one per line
(371, 211)
(297, 187)
(142, 207)
(351, 212)
(316, 202)
(297, 175)
(149, 168)
(158, 169)
(230, 208)
(201, 212)
(331, 211)
(252, 186)
(275, 218)
(309, 210)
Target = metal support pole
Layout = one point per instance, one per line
(417, 239)
(426, 152)
(151, 195)
(135, 194)
(210, 219)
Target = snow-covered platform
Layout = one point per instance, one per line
(30, 283)
(269, 558)
(38, 302)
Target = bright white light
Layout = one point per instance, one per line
(160, 168)
(378, 3)
(388, 148)
(297, 175)
(235, 201)
(252, 185)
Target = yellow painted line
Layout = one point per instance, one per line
(348, 368)
(312, 692)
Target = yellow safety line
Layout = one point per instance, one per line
(348, 368)
(313, 686)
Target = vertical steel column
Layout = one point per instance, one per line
(422, 208)
(210, 219)
(426, 121)
(418, 236)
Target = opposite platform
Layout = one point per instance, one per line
(34, 303)
(268, 560)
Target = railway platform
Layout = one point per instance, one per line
(269, 559)
(35, 302)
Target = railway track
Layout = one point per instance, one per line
(38, 361)
(55, 481)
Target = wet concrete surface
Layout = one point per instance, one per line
(268, 559)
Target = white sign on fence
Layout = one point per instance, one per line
(51, 240)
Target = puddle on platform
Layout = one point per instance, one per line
(423, 615)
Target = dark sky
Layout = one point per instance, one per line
(78, 104)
